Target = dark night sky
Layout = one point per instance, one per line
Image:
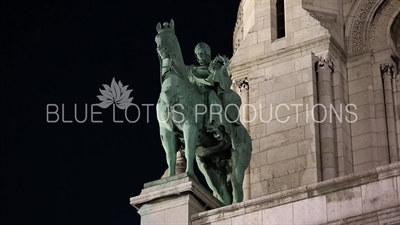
(61, 52)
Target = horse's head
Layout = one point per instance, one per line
(167, 43)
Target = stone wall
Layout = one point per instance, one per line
(371, 197)
(285, 154)
(324, 59)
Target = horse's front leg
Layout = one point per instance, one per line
(169, 142)
(190, 135)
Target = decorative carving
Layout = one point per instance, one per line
(243, 84)
(387, 70)
(238, 30)
(380, 23)
(327, 62)
(357, 26)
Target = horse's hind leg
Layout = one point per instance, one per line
(237, 177)
(215, 180)
(169, 142)
(190, 135)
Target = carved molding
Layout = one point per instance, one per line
(356, 29)
(326, 19)
(381, 23)
(243, 84)
(387, 70)
(238, 30)
(326, 61)
(325, 16)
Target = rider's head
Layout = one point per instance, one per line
(203, 53)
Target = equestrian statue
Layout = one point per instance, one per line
(198, 114)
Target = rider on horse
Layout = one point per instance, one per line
(213, 79)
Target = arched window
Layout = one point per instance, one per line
(280, 18)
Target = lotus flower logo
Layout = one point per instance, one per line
(115, 94)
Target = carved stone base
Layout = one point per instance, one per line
(172, 200)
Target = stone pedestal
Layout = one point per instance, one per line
(173, 200)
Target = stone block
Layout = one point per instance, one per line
(282, 153)
(257, 190)
(362, 141)
(263, 10)
(254, 218)
(379, 195)
(291, 3)
(283, 168)
(309, 176)
(172, 200)
(251, 39)
(307, 21)
(365, 166)
(363, 156)
(280, 69)
(223, 222)
(307, 74)
(278, 215)
(311, 160)
(290, 122)
(170, 215)
(359, 85)
(303, 62)
(377, 82)
(281, 139)
(273, 84)
(264, 34)
(258, 24)
(258, 159)
(292, 25)
(307, 146)
(310, 211)
(304, 34)
(379, 110)
(298, 11)
(256, 76)
(278, 97)
(282, 183)
(289, 12)
(305, 89)
(255, 175)
(357, 72)
(257, 103)
(361, 127)
(254, 117)
(153, 218)
(310, 131)
(285, 109)
(360, 113)
(343, 204)
(398, 188)
(378, 97)
(258, 131)
(360, 99)
(282, 43)
(255, 145)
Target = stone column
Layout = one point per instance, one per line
(243, 85)
(387, 71)
(325, 69)
(173, 200)
(396, 91)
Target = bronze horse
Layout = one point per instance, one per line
(222, 162)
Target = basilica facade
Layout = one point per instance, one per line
(320, 88)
